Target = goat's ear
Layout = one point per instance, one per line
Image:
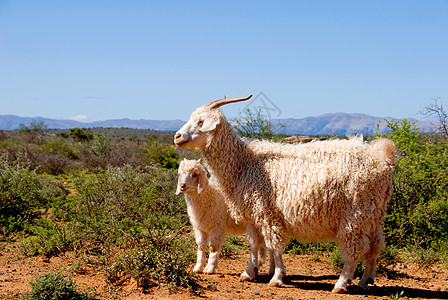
(203, 183)
(209, 124)
(178, 189)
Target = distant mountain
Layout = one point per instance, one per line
(341, 123)
(337, 123)
(11, 122)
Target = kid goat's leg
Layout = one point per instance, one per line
(216, 241)
(201, 240)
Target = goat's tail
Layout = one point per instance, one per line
(384, 149)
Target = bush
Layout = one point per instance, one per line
(161, 263)
(80, 135)
(54, 286)
(22, 193)
(117, 154)
(120, 206)
(164, 156)
(48, 238)
(57, 145)
(418, 210)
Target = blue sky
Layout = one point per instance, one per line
(95, 60)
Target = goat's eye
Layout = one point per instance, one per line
(200, 123)
(194, 175)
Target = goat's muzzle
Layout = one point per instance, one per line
(179, 139)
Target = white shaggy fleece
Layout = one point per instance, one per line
(326, 190)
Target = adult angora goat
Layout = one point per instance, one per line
(330, 190)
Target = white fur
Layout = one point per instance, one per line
(329, 190)
(211, 221)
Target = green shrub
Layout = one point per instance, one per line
(120, 206)
(54, 286)
(161, 155)
(418, 210)
(48, 239)
(22, 194)
(80, 135)
(155, 264)
(56, 145)
(424, 258)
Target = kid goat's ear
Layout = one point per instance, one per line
(203, 183)
(178, 189)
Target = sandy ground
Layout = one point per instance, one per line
(306, 279)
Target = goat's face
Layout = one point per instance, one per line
(202, 124)
(192, 176)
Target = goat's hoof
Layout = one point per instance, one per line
(362, 289)
(245, 277)
(339, 290)
(209, 270)
(275, 283)
(364, 285)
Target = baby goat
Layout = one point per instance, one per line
(211, 221)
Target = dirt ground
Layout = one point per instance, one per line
(306, 279)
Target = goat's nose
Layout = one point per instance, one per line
(178, 135)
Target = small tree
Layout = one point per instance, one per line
(438, 110)
(101, 144)
(35, 129)
(255, 125)
(81, 135)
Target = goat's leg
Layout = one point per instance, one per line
(216, 241)
(271, 263)
(253, 238)
(279, 272)
(201, 238)
(371, 261)
(369, 273)
(261, 255)
(252, 270)
(346, 276)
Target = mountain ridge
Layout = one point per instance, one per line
(330, 123)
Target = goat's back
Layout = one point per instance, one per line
(320, 185)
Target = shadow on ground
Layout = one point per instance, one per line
(320, 283)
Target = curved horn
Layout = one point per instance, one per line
(220, 102)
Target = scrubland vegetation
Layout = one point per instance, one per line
(109, 196)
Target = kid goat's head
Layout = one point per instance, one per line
(203, 121)
(192, 177)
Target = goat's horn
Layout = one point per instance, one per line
(220, 102)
